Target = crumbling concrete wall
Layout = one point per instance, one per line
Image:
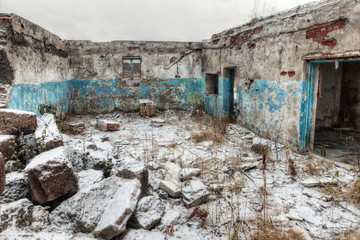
(30, 57)
(170, 74)
(87, 77)
(271, 59)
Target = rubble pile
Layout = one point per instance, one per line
(128, 177)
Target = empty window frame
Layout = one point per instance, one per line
(132, 67)
(211, 83)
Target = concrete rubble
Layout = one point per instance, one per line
(50, 175)
(47, 134)
(104, 207)
(17, 122)
(148, 212)
(107, 125)
(194, 193)
(130, 168)
(15, 189)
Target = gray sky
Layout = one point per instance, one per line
(171, 20)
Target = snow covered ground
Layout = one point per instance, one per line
(222, 173)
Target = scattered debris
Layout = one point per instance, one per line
(157, 122)
(172, 187)
(194, 193)
(106, 125)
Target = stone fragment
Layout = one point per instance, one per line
(293, 215)
(89, 177)
(157, 122)
(2, 174)
(47, 133)
(314, 182)
(194, 193)
(14, 122)
(187, 173)
(198, 216)
(16, 214)
(50, 175)
(130, 168)
(7, 146)
(173, 170)
(104, 208)
(15, 189)
(148, 212)
(172, 187)
(106, 125)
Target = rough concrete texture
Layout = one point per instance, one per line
(47, 133)
(7, 146)
(15, 189)
(91, 210)
(50, 175)
(2, 174)
(17, 122)
(268, 57)
(271, 60)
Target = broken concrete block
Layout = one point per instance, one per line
(198, 216)
(130, 168)
(172, 187)
(157, 122)
(106, 125)
(187, 173)
(50, 175)
(2, 174)
(14, 122)
(7, 146)
(16, 214)
(104, 208)
(47, 133)
(148, 212)
(89, 177)
(314, 182)
(147, 108)
(173, 170)
(194, 193)
(15, 189)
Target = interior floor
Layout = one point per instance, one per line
(343, 145)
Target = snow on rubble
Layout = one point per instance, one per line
(182, 179)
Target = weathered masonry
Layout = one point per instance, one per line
(290, 76)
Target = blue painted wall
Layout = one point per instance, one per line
(268, 107)
(219, 104)
(94, 96)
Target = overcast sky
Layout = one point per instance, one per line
(171, 20)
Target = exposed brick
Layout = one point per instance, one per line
(291, 73)
(283, 73)
(215, 41)
(330, 28)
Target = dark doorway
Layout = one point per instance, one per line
(337, 110)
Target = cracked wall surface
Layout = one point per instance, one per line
(271, 58)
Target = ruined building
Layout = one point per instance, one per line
(294, 72)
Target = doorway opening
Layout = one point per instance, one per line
(336, 110)
(230, 92)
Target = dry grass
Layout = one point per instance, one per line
(207, 135)
(348, 235)
(269, 231)
(354, 192)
